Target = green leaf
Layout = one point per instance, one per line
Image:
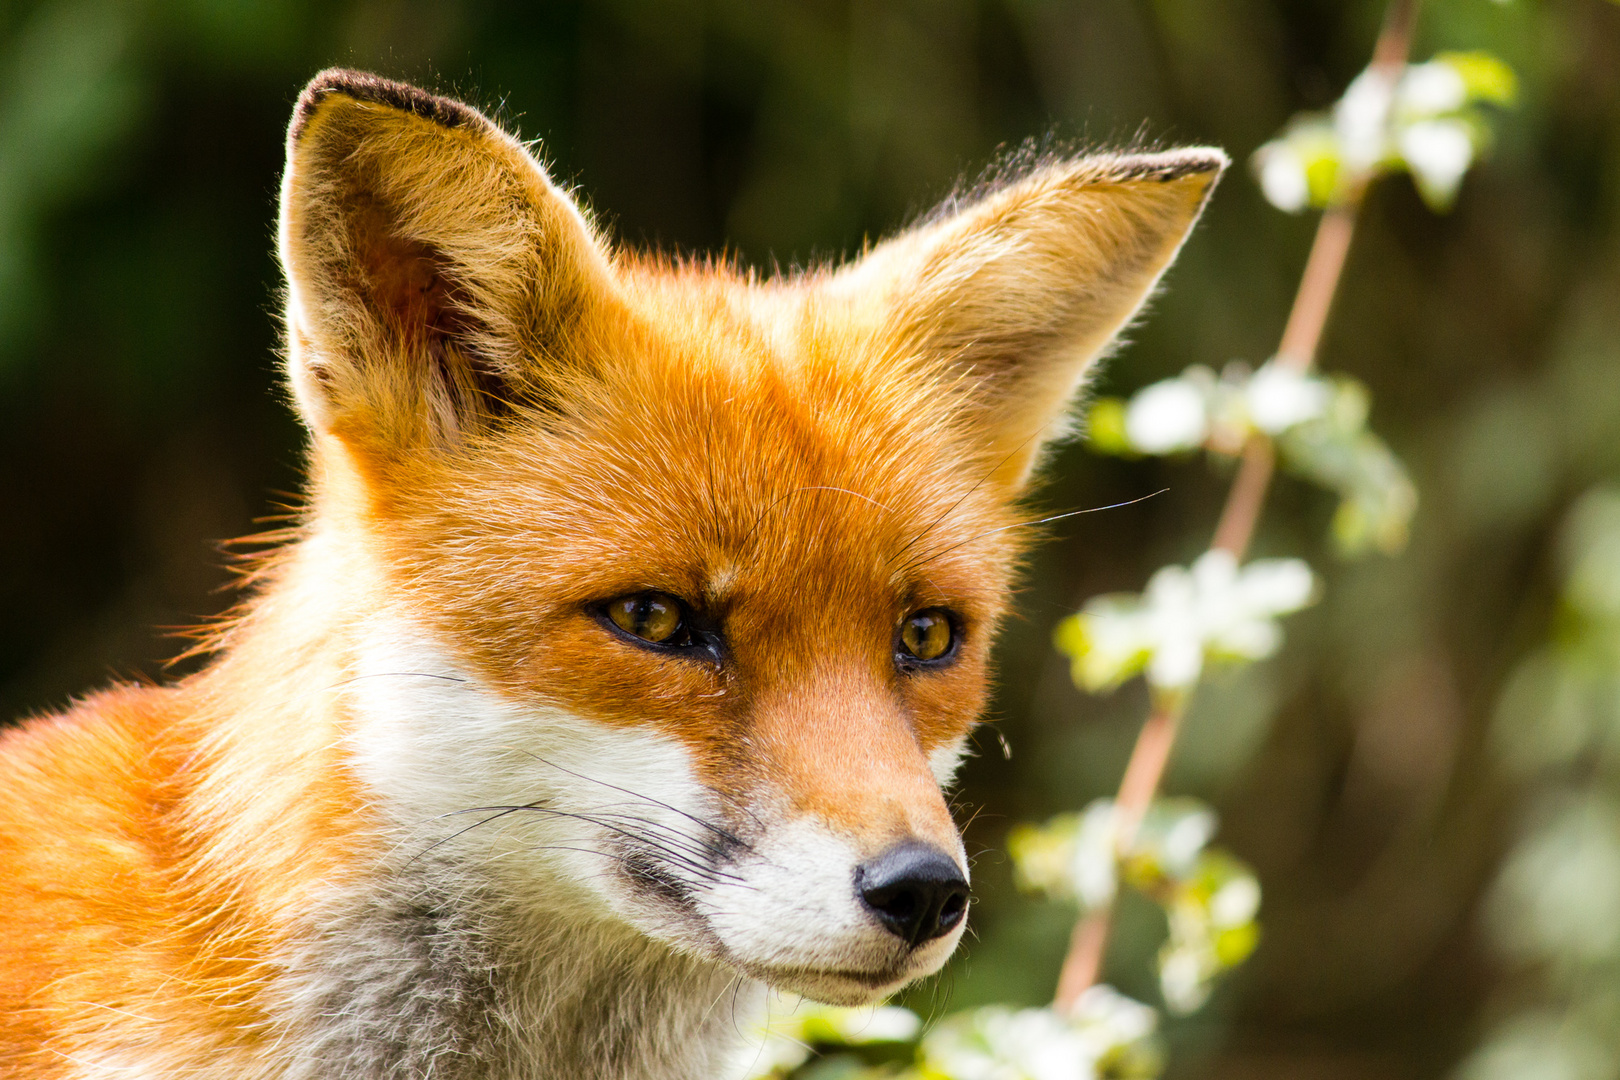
(1105, 428)
(1487, 78)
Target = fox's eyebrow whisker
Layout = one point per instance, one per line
(811, 487)
(965, 496)
(847, 491)
(912, 567)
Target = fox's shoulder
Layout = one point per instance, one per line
(79, 854)
(72, 759)
(80, 821)
(106, 734)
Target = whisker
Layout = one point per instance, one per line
(674, 856)
(847, 491)
(395, 675)
(760, 520)
(965, 496)
(915, 565)
(690, 844)
(722, 833)
(502, 812)
(623, 859)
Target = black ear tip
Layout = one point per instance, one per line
(364, 86)
(1167, 165)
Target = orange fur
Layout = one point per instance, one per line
(511, 423)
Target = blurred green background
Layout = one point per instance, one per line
(141, 419)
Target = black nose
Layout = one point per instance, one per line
(916, 891)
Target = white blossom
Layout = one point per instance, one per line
(1186, 839)
(1077, 855)
(1167, 417)
(1197, 408)
(1183, 980)
(1073, 856)
(998, 1043)
(1235, 903)
(1431, 89)
(1185, 616)
(1438, 152)
(1301, 167)
(1209, 897)
(1283, 177)
(1117, 1018)
(1424, 118)
(792, 1025)
(1211, 913)
(1361, 120)
(1094, 868)
(1278, 397)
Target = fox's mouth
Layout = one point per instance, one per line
(833, 985)
(838, 984)
(867, 982)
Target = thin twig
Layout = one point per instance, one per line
(1148, 760)
(1246, 499)
(1319, 283)
(1083, 963)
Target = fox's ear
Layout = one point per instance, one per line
(1013, 295)
(434, 272)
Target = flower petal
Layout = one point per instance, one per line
(1431, 89)
(1438, 152)
(1361, 119)
(1283, 177)
(1167, 417)
(1279, 397)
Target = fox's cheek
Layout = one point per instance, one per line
(945, 759)
(550, 804)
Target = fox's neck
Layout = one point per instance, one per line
(402, 955)
(416, 975)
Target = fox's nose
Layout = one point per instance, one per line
(915, 890)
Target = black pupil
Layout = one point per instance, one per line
(927, 641)
(649, 618)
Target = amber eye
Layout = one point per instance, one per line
(927, 635)
(650, 616)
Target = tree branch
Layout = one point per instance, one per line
(1302, 335)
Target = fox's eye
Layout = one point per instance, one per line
(650, 616)
(927, 635)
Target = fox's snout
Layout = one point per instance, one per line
(916, 891)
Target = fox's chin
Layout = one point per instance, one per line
(831, 986)
(851, 987)
(836, 987)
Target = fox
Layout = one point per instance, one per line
(628, 638)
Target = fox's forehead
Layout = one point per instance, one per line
(707, 467)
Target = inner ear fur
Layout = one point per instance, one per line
(1010, 297)
(435, 274)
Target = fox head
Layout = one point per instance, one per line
(673, 588)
